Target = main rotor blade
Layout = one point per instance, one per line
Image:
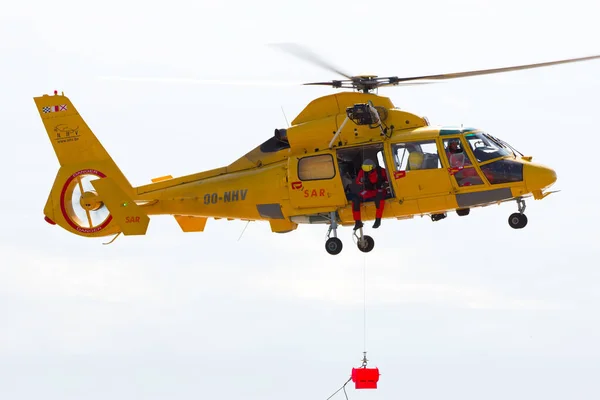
(497, 70)
(199, 81)
(407, 83)
(304, 54)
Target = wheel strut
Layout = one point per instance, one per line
(333, 245)
(521, 205)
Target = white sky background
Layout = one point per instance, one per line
(465, 308)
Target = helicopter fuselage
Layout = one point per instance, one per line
(296, 177)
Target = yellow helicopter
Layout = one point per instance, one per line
(317, 171)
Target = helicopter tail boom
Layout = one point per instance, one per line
(78, 201)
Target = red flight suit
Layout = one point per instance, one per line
(372, 187)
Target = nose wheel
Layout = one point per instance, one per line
(518, 220)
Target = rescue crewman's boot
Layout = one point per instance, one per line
(358, 224)
(377, 223)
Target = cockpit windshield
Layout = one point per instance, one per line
(485, 147)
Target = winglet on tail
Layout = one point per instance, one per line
(189, 223)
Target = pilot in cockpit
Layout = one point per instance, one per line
(456, 156)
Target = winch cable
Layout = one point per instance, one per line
(364, 360)
(365, 307)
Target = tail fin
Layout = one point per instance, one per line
(73, 202)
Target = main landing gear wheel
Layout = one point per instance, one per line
(333, 246)
(518, 220)
(366, 244)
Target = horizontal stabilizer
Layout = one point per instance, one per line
(162, 178)
(190, 223)
(129, 216)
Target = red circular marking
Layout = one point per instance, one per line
(64, 210)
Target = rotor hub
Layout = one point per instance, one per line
(90, 201)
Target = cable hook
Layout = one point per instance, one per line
(364, 360)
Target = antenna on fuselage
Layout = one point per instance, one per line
(244, 230)
(286, 120)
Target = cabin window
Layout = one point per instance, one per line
(412, 156)
(503, 171)
(484, 148)
(316, 167)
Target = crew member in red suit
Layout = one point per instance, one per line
(458, 159)
(372, 178)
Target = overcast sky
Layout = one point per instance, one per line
(464, 308)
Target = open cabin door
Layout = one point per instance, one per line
(314, 181)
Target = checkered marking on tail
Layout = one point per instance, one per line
(49, 109)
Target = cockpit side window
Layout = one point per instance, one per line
(460, 164)
(457, 157)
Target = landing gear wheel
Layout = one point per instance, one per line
(517, 221)
(366, 244)
(333, 246)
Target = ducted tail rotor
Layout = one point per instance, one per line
(82, 204)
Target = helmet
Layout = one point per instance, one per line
(415, 160)
(453, 145)
(368, 165)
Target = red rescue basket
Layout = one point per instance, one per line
(365, 378)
